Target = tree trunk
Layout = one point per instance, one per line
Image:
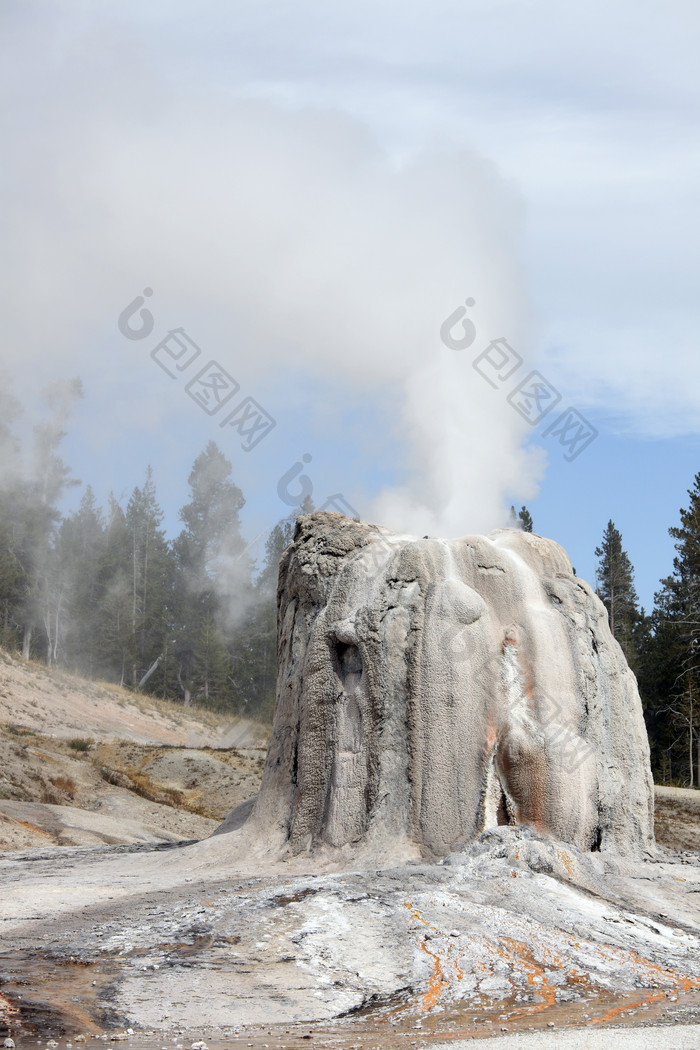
(49, 639)
(690, 743)
(134, 678)
(57, 627)
(27, 642)
(145, 599)
(186, 694)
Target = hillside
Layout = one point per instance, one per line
(84, 763)
(64, 705)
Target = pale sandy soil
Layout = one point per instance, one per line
(83, 763)
(60, 704)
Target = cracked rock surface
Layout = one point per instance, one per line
(515, 928)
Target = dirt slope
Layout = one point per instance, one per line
(60, 704)
(84, 763)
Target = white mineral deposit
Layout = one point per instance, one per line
(453, 836)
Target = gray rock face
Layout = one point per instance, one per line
(430, 689)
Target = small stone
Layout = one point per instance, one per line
(9, 1042)
(550, 1024)
(199, 1045)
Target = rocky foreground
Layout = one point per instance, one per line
(209, 941)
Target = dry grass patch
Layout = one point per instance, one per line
(65, 784)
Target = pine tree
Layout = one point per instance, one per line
(151, 582)
(210, 664)
(615, 588)
(684, 584)
(52, 476)
(21, 532)
(522, 520)
(525, 519)
(43, 604)
(116, 652)
(13, 576)
(278, 540)
(211, 518)
(255, 655)
(80, 551)
(213, 575)
(678, 617)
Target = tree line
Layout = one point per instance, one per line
(104, 593)
(663, 646)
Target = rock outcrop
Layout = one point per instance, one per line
(430, 689)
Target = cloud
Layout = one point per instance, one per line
(293, 233)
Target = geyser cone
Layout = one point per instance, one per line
(429, 689)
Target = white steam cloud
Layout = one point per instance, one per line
(292, 232)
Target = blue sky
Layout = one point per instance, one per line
(310, 190)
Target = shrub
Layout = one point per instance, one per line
(80, 743)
